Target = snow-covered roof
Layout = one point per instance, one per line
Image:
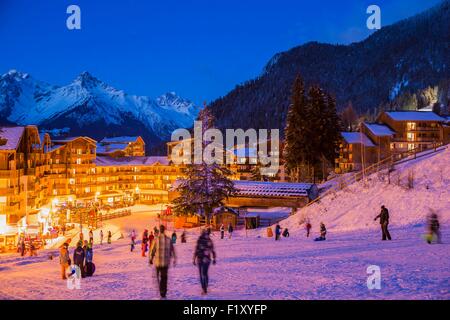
(357, 137)
(106, 161)
(12, 136)
(379, 129)
(123, 139)
(414, 116)
(70, 139)
(272, 189)
(110, 148)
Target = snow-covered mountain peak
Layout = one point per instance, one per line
(87, 80)
(88, 104)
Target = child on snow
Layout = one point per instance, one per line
(323, 232)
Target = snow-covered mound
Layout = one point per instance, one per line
(355, 207)
(88, 102)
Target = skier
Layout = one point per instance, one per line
(286, 233)
(277, 232)
(230, 231)
(89, 257)
(64, 259)
(384, 222)
(433, 228)
(91, 237)
(144, 245)
(202, 258)
(183, 237)
(222, 231)
(161, 253)
(109, 237)
(174, 237)
(323, 233)
(308, 228)
(78, 257)
(101, 237)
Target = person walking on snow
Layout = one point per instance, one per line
(133, 240)
(64, 259)
(161, 253)
(202, 258)
(78, 257)
(101, 237)
(433, 228)
(144, 245)
(109, 237)
(230, 231)
(384, 222)
(89, 259)
(308, 228)
(277, 232)
(91, 237)
(174, 237)
(222, 231)
(183, 237)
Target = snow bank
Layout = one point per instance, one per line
(355, 207)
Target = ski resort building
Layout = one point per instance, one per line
(395, 133)
(121, 147)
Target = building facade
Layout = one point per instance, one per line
(393, 134)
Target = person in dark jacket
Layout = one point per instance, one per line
(202, 258)
(286, 233)
(384, 222)
(183, 237)
(109, 237)
(174, 237)
(89, 259)
(144, 245)
(277, 232)
(222, 231)
(79, 256)
(434, 228)
(308, 228)
(230, 231)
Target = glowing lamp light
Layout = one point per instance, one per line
(55, 202)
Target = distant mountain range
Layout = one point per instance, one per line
(405, 57)
(88, 106)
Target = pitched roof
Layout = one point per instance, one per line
(110, 148)
(357, 137)
(106, 161)
(12, 135)
(414, 116)
(379, 129)
(124, 139)
(272, 189)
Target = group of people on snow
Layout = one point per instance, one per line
(229, 229)
(83, 258)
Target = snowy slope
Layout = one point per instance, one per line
(355, 207)
(252, 266)
(88, 101)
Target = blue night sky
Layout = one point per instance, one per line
(200, 48)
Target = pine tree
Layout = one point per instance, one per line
(297, 132)
(206, 186)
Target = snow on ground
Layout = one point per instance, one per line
(355, 207)
(252, 268)
(257, 267)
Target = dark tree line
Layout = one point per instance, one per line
(312, 133)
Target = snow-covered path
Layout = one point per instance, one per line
(253, 268)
